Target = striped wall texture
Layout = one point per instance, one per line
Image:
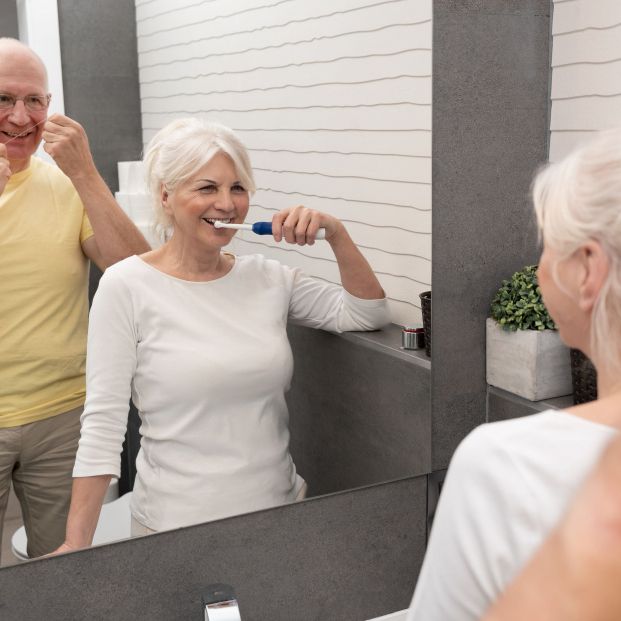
(333, 100)
(586, 71)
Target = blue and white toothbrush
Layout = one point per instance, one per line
(260, 228)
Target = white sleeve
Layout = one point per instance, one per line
(484, 522)
(318, 304)
(110, 366)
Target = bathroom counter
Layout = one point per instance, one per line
(388, 340)
(503, 405)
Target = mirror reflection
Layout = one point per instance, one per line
(200, 335)
(340, 126)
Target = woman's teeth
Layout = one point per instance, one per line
(214, 220)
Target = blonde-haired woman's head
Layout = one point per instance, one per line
(578, 206)
(179, 150)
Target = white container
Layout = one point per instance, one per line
(131, 177)
(124, 200)
(141, 209)
(533, 364)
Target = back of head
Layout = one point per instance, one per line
(180, 149)
(579, 199)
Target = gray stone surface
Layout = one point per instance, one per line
(490, 111)
(8, 19)
(345, 557)
(503, 405)
(388, 340)
(358, 414)
(100, 78)
(100, 83)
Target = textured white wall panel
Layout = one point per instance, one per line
(573, 15)
(333, 100)
(586, 71)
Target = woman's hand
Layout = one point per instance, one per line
(65, 547)
(299, 225)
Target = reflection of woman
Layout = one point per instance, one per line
(197, 337)
(509, 482)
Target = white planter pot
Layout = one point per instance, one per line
(531, 363)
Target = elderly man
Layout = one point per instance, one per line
(53, 219)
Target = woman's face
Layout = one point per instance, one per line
(562, 301)
(213, 193)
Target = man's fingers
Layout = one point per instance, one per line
(3, 151)
(57, 125)
(61, 120)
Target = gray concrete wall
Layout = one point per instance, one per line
(100, 82)
(490, 128)
(503, 405)
(359, 407)
(345, 557)
(8, 19)
(100, 78)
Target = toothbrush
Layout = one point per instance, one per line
(260, 228)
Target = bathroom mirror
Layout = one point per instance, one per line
(489, 127)
(334, 104)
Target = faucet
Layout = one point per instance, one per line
(220, 603)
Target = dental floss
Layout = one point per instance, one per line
(259, 228)
(25, 131)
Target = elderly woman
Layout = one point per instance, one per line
(509, 482)
(575, 575)
(197, 337)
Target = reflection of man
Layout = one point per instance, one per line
(50, 225)
(576, 575)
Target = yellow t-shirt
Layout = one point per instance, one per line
(43, 295)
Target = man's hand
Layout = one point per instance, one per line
(5, 168)
(66, 141)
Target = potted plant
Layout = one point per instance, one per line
(525, 354)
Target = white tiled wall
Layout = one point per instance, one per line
(333, 100)
(586, 71)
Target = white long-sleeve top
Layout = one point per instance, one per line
(507, 486)
(207, 365)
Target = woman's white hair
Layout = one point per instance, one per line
(179, 150)
(579, 199)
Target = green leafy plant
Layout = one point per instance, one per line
(518, 304)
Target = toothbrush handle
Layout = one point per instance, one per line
(265, 228)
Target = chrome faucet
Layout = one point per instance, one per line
(220, 603)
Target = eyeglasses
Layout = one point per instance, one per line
(34, 103)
